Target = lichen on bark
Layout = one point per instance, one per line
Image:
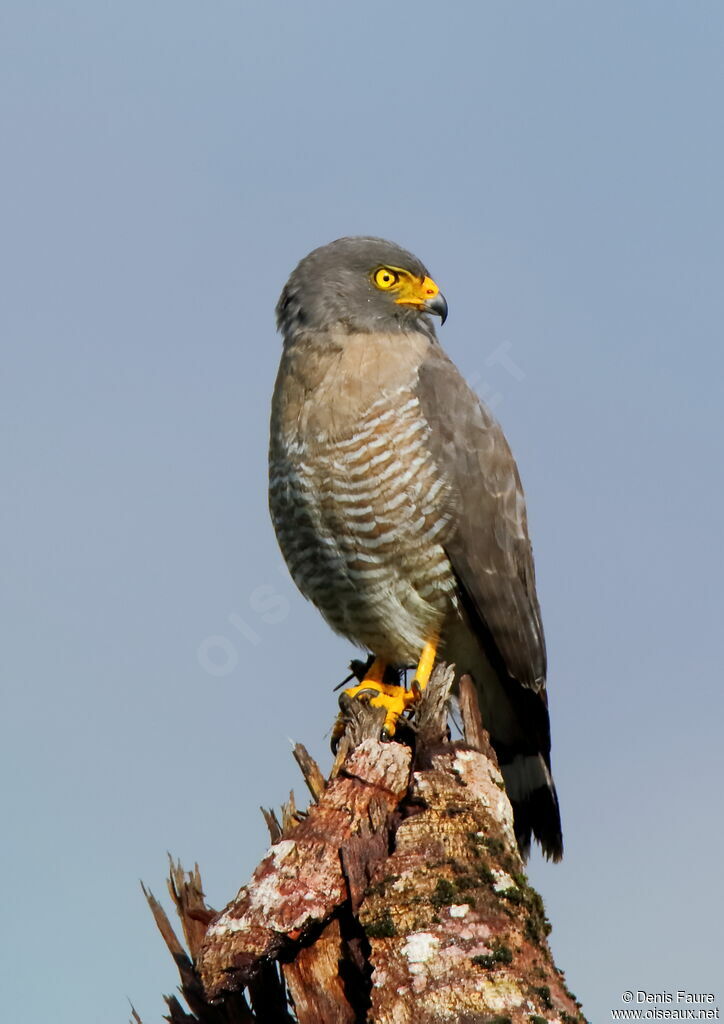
(399, 897)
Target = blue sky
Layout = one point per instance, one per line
(558, 167)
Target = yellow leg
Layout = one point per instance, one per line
(393, 698)
(425, 665)
(376, 672)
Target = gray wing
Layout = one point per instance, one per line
(489, 550)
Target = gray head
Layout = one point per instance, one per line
(359, 284)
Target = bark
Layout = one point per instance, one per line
(398, 897)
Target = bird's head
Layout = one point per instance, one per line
(359, 285)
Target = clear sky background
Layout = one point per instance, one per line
(559, 167)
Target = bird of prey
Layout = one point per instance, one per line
(398, 506)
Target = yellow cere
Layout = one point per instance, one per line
(413, 291)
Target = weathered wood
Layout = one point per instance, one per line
(398, 897)
(186, 891)
(300, 882)
(175, 948)
(290, 814)
(268, 996)
(455, 930)
(473, 729)
(272, 824)
(316, 783)
(315, 982)
(187, 895)
(432, 713)
(361, 721)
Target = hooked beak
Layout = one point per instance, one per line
(437, 306)
(423, 294)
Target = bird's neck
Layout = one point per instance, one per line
(326, 385)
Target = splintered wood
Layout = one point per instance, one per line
(399, 897)
(300, 882)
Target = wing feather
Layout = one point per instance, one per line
(490, 550)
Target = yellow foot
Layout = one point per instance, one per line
(396, 700)
(393, 698)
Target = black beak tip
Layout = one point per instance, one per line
(438, 306)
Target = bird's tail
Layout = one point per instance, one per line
(532, 794)
(516, 718)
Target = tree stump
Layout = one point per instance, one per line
(398, 897)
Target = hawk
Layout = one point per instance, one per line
(398, 506)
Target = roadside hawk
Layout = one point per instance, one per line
(398, 506)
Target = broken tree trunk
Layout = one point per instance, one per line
(399, 897)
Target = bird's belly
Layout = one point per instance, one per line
(361, 525)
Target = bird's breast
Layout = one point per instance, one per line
(362, 515)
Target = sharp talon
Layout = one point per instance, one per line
(337, 734)
(366, 693)
(395, 699)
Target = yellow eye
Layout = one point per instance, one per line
(385, 278)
